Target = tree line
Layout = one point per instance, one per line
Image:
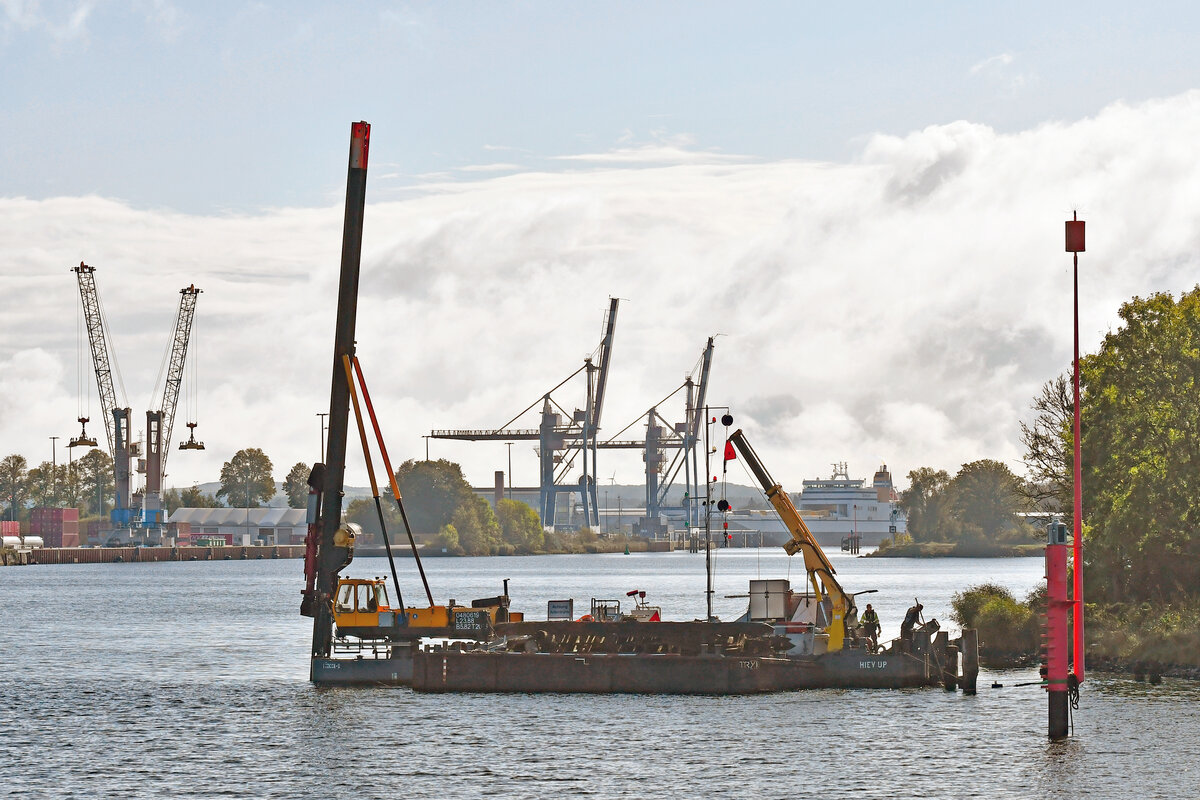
(978, 506)
(87, 483)
(438, 500)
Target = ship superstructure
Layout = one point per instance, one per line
(839, 507)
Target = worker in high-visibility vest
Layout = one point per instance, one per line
(870, 622)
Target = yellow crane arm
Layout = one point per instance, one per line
(815, 561)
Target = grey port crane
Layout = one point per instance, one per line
(159, 423)
(682, 438)
(562, 436)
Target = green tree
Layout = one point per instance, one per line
(925, 503)
(14, 485)
(95, 470)
(362, 511)
(72, 490)
(985, 500)
(447, 539)
(172, 500)
(1047, 439)
(194, 498)
(1141, 452)
(478, 530)
(295, 485)
(432, 491)
(520, 526)
(43, 485)
(246, 479)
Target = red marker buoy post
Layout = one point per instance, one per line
(1061, 679)
(1057, 605)
(1075, 246)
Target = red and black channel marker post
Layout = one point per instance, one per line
(1057, 605)
(1075, 246)
(1061, 681)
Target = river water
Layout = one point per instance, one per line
(190, 680)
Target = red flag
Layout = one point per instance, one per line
(730, 455)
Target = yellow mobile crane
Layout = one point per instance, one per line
(844, 614)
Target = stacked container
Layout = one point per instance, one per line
(58, 527)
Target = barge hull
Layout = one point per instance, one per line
(395, 671)
(467, 671)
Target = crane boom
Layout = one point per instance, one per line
(98, 339)
(610, 329)
(179, 348)
(701, 391)
(820, 571)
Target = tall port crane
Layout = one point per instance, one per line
(116, 418)
(159, 423)
(561, 435)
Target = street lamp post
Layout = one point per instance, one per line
(54, 468)
(509, 445)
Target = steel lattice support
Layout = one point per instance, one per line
(98, 339)
(179, 348)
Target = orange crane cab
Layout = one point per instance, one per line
(361, 609)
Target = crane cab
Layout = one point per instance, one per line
(362, 609)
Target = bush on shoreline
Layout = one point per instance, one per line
(1119, 635)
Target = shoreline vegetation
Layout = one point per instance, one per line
(581, 542)
(1147, 640)
(956, 550)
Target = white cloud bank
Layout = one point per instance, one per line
(905, 307)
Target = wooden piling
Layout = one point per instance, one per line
(950, 668)
(969, 646)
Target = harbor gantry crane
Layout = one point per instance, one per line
(159, 423)
(682, 438)
(562, 436)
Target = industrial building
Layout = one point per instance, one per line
(241, 526)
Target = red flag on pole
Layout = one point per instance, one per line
(730, 455)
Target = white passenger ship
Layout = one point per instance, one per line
(838, 507)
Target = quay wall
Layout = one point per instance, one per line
(105, 555)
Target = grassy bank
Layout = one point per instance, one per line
(570, 544)
(955, 549)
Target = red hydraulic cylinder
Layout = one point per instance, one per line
(1058, 604)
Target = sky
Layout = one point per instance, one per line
(864, 204)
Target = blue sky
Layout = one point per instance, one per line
(207, 107)
(867, 203)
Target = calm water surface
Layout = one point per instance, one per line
(190, 680)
